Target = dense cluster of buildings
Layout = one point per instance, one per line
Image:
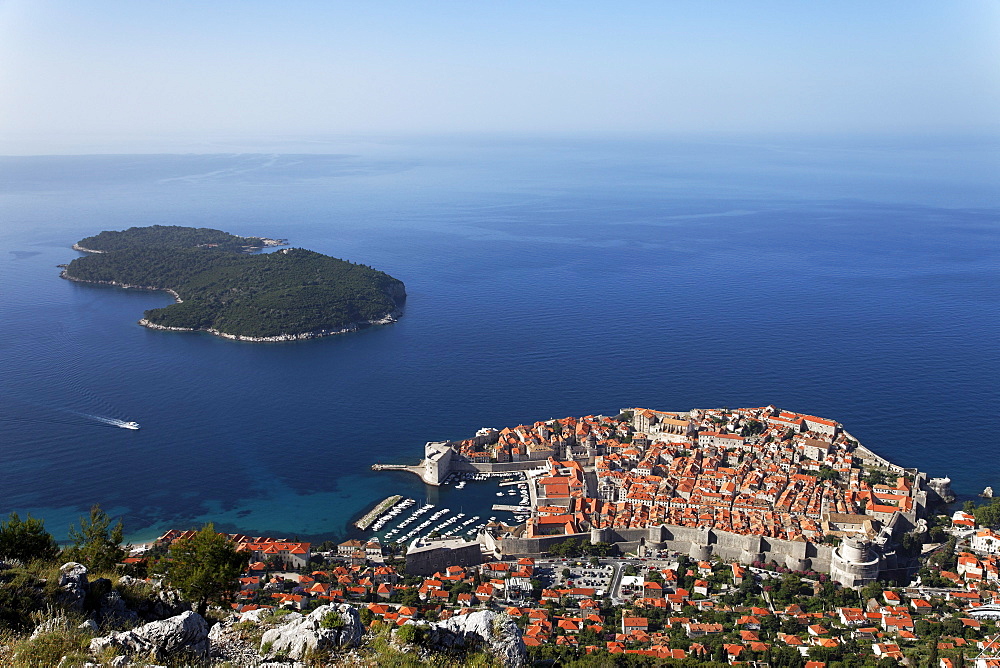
(686, 609)
(799, 482)
(699, 477)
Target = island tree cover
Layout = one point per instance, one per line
(170, 236)
(225, 289)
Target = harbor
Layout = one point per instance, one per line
(463, 512)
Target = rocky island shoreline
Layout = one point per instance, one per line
(302, 336)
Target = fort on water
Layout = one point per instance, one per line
(754, 485)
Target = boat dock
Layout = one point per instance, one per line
(511, 509)
(372, 515)
(418, 469)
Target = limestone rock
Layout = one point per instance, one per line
(254, 615)
(496, 632)
(151, 602)
(230, 644)
(168, 603)
(114, 613)
(298, 636)
(129, 581)
(73, 584)
(89, 625)
(185, 633)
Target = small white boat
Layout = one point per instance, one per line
(129, 425)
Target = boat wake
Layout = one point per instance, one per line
(123, 424)
(30, 412)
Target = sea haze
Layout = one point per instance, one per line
(854, 280)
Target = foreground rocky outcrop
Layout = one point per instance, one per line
(150, 602)
(325, 628)
(103, 602)
(250, 638)
(73, 585)
(495, 632)
(185, 635)
(132, 622)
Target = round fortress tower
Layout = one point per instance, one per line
(854, 563)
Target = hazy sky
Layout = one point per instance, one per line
(155, 67)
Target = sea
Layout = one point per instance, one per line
(855, 278)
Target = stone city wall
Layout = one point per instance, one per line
(697, 543)
(433, 560)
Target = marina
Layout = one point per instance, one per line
(404, 520)
(443, 522)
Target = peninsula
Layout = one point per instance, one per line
(748, 485)
(224, 287)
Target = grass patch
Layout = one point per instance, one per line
(48, 649)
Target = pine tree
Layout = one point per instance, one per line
(205, 567)
(26, 539)
(96, 544)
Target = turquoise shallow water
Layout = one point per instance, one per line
(852, 280)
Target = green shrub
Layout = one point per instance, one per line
(332, 620)
(409, 634)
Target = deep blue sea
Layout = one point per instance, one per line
(852, 279)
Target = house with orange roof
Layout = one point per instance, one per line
(851, 616)
(378, 609)
(963, 520)
(349, 547)
(890, 650)
(698, 630)
(631, 624)
(891, 598)
(289, 555)
(986, 541)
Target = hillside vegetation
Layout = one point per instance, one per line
(84, 606)
(229, 291)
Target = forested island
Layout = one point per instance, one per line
(222, 286)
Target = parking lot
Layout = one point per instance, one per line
(581, 574)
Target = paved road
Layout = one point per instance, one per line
(616, 581)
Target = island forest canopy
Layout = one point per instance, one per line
(225, 288)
